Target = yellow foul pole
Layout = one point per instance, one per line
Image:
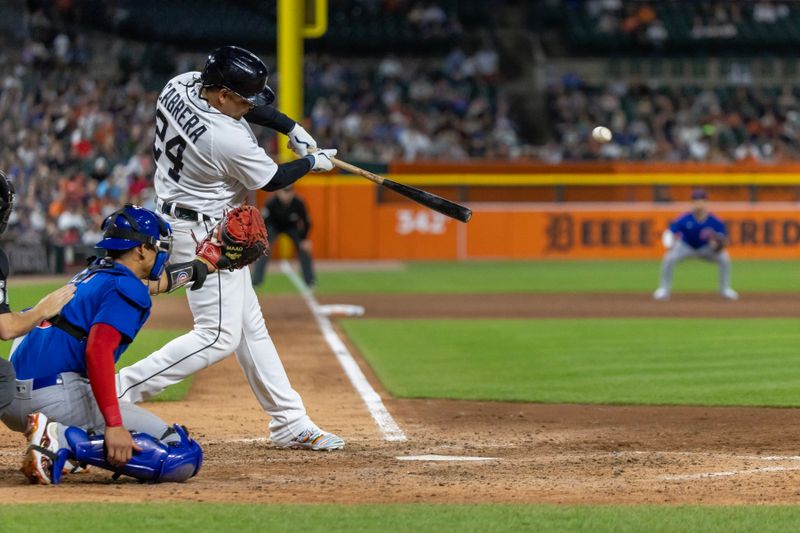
(290, 63)
(292, 29)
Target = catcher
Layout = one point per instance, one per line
(207, 160)
(66, 398)
(701, 236)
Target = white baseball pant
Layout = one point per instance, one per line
(227, 319)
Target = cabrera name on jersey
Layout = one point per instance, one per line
(205, 160)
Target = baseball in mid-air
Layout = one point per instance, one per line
(601, 134)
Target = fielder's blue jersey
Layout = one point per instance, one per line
(107, 293)
(694, 232)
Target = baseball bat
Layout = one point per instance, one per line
(431, 201)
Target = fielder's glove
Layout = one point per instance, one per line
(300, 141)
(717, 242)
(237, 240)
(321, 160)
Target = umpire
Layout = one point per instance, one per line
(17, 324)
(286, 213)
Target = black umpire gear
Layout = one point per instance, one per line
(6, 201)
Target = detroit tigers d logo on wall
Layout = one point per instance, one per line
(577, 232)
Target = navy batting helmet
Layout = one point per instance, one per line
(6, 201)
(240, 71)
(133, 225)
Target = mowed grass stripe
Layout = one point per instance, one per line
(559, 276)
(481, 277)
(191, 517)
(609, 361)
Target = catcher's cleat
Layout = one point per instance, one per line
(317, 440)
(661, 294)
(730, 294)
(42, 447)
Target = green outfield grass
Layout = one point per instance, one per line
(630, 361)
(555, 276)
(512, 276)
(193, 517)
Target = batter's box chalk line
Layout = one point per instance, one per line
(445, 458)
(730, 473)
(385, 422)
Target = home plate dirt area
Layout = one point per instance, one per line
(523, 453)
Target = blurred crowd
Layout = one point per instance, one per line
(406, 109)
(76, 144)
(721, 124)
(713, 19)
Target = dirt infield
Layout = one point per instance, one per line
(542, 453)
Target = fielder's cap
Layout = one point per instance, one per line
(699, 194)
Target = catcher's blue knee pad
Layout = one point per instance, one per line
(156, 463)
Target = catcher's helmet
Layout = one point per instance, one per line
(6, 201)
(240, 71)
(133, 225)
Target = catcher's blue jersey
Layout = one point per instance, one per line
(694, 232)
(107, 293)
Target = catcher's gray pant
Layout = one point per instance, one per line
(682, 251)
(72, 403)
(227, 319)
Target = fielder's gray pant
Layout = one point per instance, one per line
(682, 251)
(72, 403)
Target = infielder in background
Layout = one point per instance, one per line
(66, 399)
(286, 213)
(16, 324)
(700, 235)
(207, 160)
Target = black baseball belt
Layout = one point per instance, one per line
(183, 213)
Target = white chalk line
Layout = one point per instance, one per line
(444, 458)
(386, 423)
(728, 473)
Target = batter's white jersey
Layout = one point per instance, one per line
(205, 160)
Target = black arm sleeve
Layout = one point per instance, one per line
(288, 173)
(269, 117)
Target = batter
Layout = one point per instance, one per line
(207, 160)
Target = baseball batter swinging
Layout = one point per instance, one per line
(207, 160)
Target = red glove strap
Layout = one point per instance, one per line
(103, 340)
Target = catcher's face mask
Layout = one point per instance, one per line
(163, 247)
(132, 226)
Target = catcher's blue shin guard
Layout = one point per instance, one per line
(156, 463)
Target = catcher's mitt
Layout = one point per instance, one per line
(237, 240)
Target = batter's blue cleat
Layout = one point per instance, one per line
(316, 440)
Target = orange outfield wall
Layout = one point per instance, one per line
(350, 223)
